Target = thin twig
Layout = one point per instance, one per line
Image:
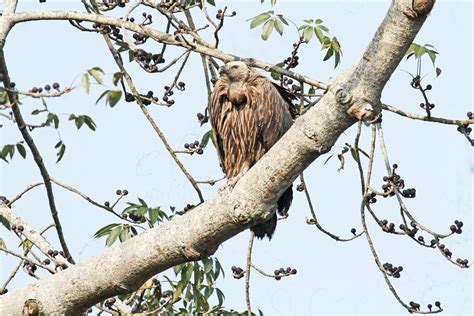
(19, 195)
(426, 118)
(314, 221)
(247, 273)
(25, 258)
(88, 199)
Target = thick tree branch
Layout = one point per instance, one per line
(199, 232)
(158, 36)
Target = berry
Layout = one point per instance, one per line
(125, 192)
(118, 192)
(353, 230)
(428, 87)
(56, 85)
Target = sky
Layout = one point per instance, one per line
(125, 153)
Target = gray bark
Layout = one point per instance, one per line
(351, 96)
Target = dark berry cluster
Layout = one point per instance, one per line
(462, 262)
(427, 105)
(114, 3)
(166, 96)
(457, 227)
(134, 217)
(394, 181)
(195, 147)
(411, 231)
(54, 253)
(466, 129)
(121, 192)
(19, 229)
(221, 14)
(237, 272)
(188, 207)
(387, 227)
(392, 270)
(148, 61)
(4, 200)
(110, 302)
(300, 187)
(29, 267)
(414, 306)
(370, 198)
(203, 119)
(445, 250)
(284, 272)
(47, 88)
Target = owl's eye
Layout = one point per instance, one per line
(235, 67)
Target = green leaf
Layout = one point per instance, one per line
(3, 245)
(220, 296)
(308, 34)
(102, 95)
(282, 19)
(124, 234)
(114, 97)
(259, 19)
(8, 150)
(438, 71)
(96, 73)
(319, 34)
(177, 292)
(52, 118)
(60, 154)
(207, 265)
(318, 21)
(279, 27)
(211, 2)
(4, 222)
(79, 121)
(153, 214)
(86, 83)
(36, 112)
(432, 55)
(337, 59)
(329, 53)
(267, 29)
(104, 231)
(116, 78)
(21, 150)
(322, 27)
(419, 51)
(89, 122)
(206, 137)
(114, 233)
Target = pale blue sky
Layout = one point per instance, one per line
(124, 152)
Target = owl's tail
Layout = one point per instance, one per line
(266, 229)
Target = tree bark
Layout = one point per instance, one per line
(352, 96)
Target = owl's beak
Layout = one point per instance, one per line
(223, 70)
